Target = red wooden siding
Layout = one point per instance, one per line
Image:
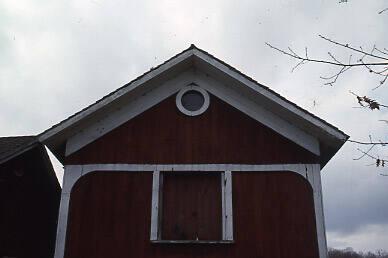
(29, 203)
(191, 206)
(164, 135)
(110, 217)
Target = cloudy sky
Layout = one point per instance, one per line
(56, 57)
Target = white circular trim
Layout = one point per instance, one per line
(188, 112)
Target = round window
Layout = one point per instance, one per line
(192, 100)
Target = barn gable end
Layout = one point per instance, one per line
(163, 135)
(192, 118)
(195, 66)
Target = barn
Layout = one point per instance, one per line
(29, 199)
(192, 159)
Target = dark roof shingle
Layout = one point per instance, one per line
(11, 145)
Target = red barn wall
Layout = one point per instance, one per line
(109, 213)
(163, 135)
(110, 216)
(29, 203)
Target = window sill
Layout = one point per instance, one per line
(192, 241)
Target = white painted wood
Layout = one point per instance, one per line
(223, 205)
(309, 171)
(127, 112)
(211, 62)
(258, 112)
(230, 96)
(155, 206)
(62, 226)
(108, 100)
(70, 177)
(298, 168)
(228, 207)
(203, 92)
(270, 95)
(73, 173)
(319, 211)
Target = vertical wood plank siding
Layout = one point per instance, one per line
(191, 207)
(29, 202)
(163, 135)
(110, 217)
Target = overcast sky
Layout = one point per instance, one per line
(57, 57)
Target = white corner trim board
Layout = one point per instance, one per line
(181, 82)
(73, 173)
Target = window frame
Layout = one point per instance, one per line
(157, 209)
(198, 89)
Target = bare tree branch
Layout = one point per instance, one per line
(374, 62)
(296, 56)
(369, 143)
(370, 66)
(386, 9)
(352, 48)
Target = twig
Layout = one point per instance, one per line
(352, 48)
(383, 10)
(296, 56)
(369, 143)
(364, 153)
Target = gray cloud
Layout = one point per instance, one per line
(58, 57)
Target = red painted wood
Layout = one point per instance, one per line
(110, 217)
(29, 202)
(192, 207)
(164, 135)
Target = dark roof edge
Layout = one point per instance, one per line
(20, 150)
(193, 47)
(272, 92)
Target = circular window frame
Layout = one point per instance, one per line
(196, 88)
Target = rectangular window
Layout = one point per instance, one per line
(191, 207)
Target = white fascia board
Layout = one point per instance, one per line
(127, 112)
(145, 101)
(143, 79)
(258, 113)
(257, 88)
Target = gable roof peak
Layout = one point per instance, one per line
(194, 57)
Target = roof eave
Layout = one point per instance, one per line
(56, 136)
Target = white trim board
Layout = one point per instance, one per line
(73, 173)
(270, 95)
(167, 89)
(127, 112)
(197, 59)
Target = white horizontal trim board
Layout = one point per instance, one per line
(309, 171)
(168, 88)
